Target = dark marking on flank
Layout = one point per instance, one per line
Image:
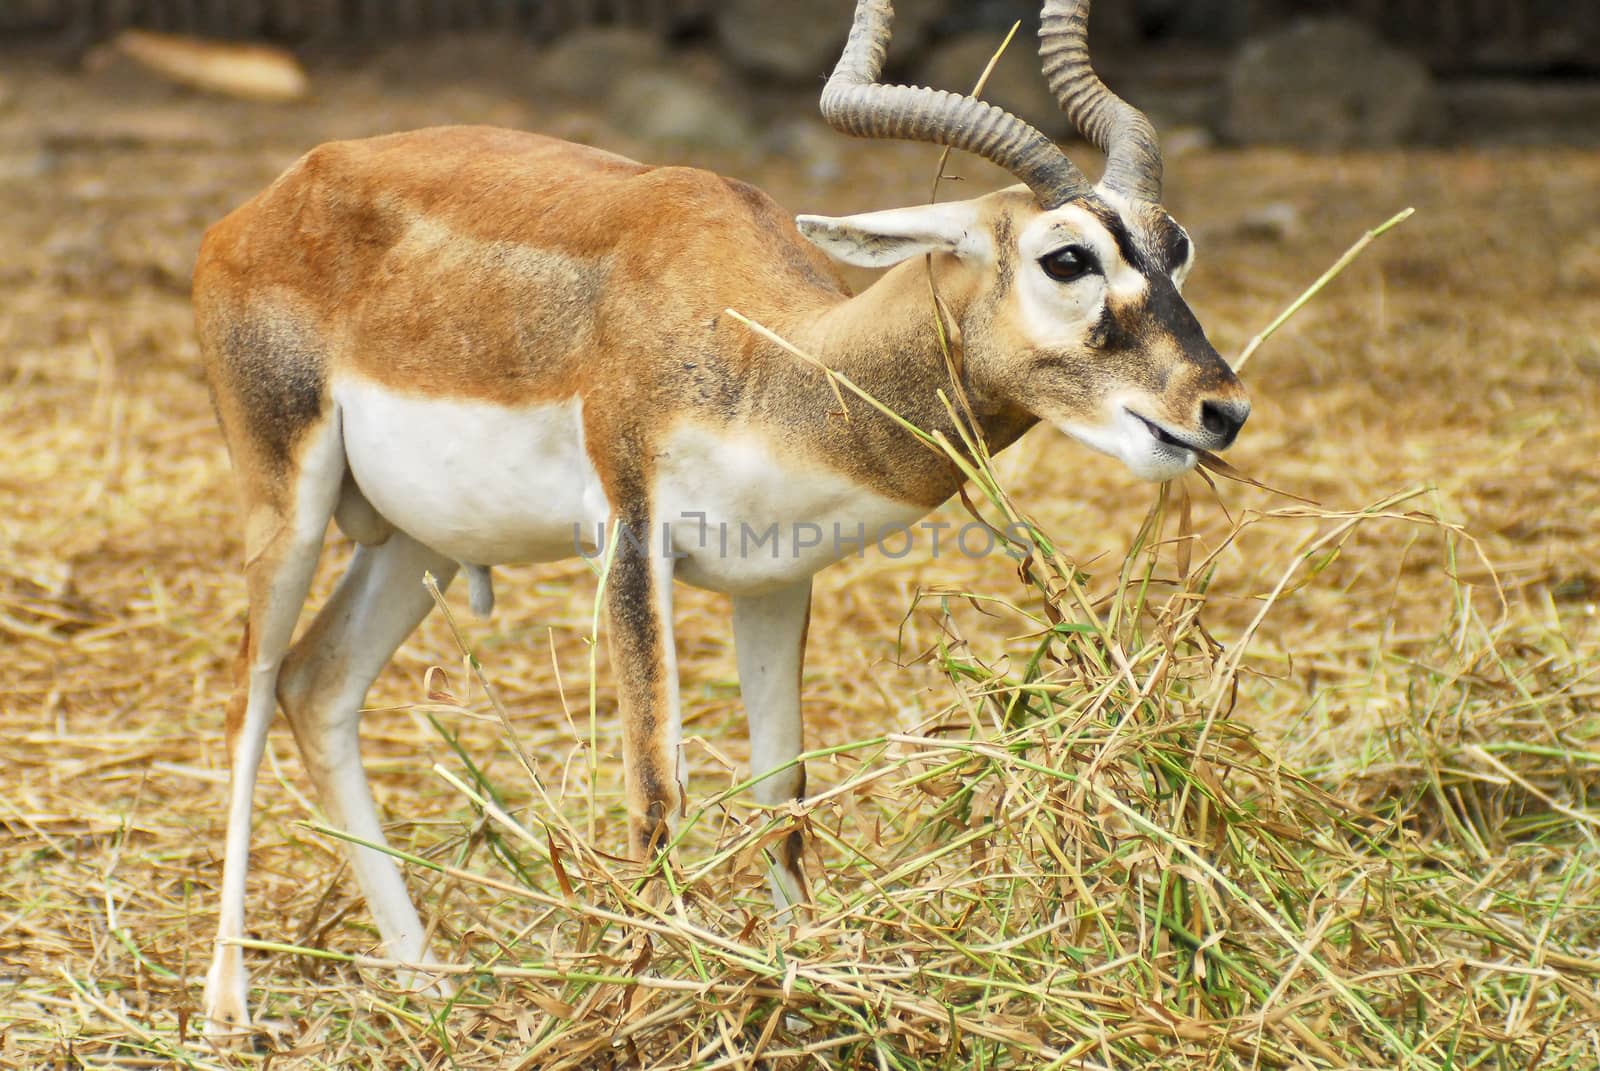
(280, 379)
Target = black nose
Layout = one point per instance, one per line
(1224, 419)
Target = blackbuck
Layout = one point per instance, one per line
(463, 345)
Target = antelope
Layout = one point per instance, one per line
(463, 345)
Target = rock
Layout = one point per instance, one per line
(253, 72)
(791, 42)
(914, 21)
(1327, 83)
(993, 15)
(1503, 111)
(665, 107)
(587, 63)
(503, 61)
(1187, 20)
(1178, 141)
(800, 42)
(1275, 221)
(817, 148)
(1016, 85)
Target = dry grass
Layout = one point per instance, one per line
(1358, 834)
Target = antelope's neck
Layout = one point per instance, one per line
(897, 359)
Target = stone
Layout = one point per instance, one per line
(503, 61)
(665, 107)
(1275, 221)
(914, 22)
(815, 148)
(800, 42)
(225, 68)
(1504, 111)
(790, 42)
(585, 64)
(1326, 83)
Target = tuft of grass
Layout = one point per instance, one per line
(1082, 861)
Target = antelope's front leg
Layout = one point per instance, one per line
(644, 659)
(769, 633)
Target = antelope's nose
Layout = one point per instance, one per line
(1223, 419)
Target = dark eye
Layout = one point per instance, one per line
(1068, 263)
(1180, 252)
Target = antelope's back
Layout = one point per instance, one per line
(491, 263)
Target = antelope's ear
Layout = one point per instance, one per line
(881, 239)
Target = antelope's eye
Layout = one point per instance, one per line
(1180, 252)
(1068, 263)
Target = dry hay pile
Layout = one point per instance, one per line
(1280, 786)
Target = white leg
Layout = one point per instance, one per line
(227, 982)
(282, 554)
(323, 686)
(769, 634)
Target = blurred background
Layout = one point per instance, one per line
(1318, 73)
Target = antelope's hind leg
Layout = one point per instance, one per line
(324, 684)
(287, 506)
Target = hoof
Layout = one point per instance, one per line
(227, 1002)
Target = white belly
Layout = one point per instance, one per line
(491, 485)
(744, 517)
(477, 482)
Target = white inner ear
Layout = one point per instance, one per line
(881, 239)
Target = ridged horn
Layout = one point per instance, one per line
(1117, 128)
(855, 103)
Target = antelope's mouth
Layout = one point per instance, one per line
(1160, 434)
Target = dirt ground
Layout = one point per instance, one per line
(1460, 356)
